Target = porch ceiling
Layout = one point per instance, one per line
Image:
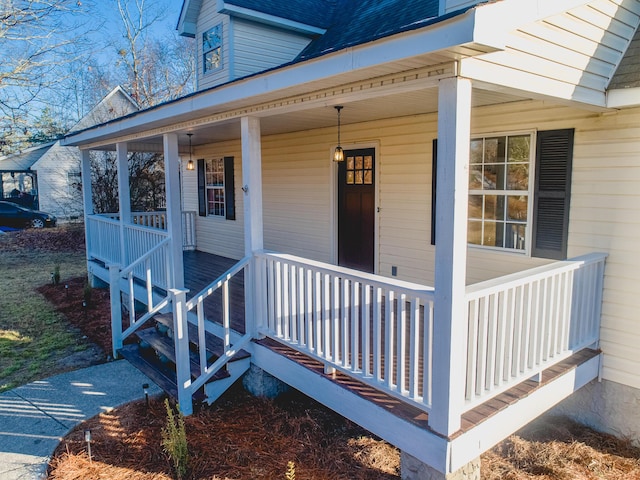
(409, 103)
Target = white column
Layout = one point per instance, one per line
(174, 211)
(252, 184)
(124, 198)
(253, 226)
(450, 325)
(87, 195)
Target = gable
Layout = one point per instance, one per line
(24, 160)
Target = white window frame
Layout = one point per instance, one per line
(530, 192)
(208, 164)
(211, 48)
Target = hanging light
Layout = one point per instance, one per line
(190, 164)
(338, 153)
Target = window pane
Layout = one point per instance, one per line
(350, 163)
(518, 176)
(494, 150)
(494, 207)
(359, 163)
(211, 38)
(518, 208)
(350, 178)
(368, 177)
(475, 177)
(519, 148)
(515, 237)
(368, 162)
(475, 206)
(474, 232)
(475, 153)
(493, 234)
(359, 180)
(493, 177)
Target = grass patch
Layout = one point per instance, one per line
(33, 336)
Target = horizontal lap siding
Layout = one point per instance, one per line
(571, 55)
(260, 47)
(55, 196)
(605, 216)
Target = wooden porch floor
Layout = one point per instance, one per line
(201, 269)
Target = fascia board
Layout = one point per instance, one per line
(187, 20)
(623, 97)
(456, 31)
(260, 17)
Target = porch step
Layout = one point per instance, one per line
(161, 375)
(215, 345)
(164, 345)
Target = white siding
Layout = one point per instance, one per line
(258, 47)
(207, 19)
(571, 55)
(55, 194)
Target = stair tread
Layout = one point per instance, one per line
(214, 344)
(164, 378)
(165, 346)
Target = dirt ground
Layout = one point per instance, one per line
(241, 437)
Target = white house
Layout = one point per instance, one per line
(469, 264)
(47, 176)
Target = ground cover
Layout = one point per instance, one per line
(36, 340)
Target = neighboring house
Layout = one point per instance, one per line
(469, 265)
(47, 176)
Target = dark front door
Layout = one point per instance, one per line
(356, 209)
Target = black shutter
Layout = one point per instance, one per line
(229, 190)
(552, 194)
(202, 190)
(434, 181)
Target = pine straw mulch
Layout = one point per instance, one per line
(556, 448)
(239, 437)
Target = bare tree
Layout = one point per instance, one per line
(37, 37)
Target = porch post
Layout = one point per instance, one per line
(449, 347)
(174, 211)
(124, 197)
(87, 194)
(253, 226)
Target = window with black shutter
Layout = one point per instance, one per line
(554, 154)
(216, 196)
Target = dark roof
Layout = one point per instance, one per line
(317, 13)
(628, 72)
(24, 160)
(360, 21)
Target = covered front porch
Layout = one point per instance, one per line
(442, 371)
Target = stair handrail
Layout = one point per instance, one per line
(187, 387)
(117, 275)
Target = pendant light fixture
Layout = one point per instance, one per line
(338, 153)
(190, 164)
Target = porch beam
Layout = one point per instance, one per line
(253, 223)
(124, 197)
(449, 351)
(174, 211)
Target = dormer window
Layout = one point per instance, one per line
(212, 48)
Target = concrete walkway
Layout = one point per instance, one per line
(35, 417)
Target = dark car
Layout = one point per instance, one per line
(12, 215)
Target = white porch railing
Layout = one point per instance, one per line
(375, 329)
(520, 324)
(128, 280)
(103, 235)
(149, 221)
(187, 385)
